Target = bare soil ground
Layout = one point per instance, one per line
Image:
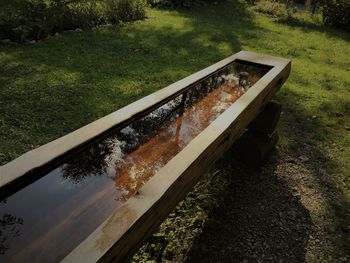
(280, 212)
(266, 216)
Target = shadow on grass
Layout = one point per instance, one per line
(61, 84)
(74, 79)
(310, 26)
(304, 141)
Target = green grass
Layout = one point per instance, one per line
(56, 86)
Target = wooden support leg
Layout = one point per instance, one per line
(252, 148)
(266, 122)
(261, 136)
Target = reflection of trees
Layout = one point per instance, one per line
(95, 160)
(149, 125)
(92, 161)
(248, 75)
(9, 228)
(146, 160)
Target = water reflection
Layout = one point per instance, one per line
(138, 166)
(62, 208)
(9, 229)
(101, 157)
(93, 161)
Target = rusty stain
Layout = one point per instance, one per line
(144, 162)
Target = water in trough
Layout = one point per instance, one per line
(47, 219)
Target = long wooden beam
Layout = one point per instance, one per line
(25, 166)
(122, 233)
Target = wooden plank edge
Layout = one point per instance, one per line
(39, 157)
(122, 233)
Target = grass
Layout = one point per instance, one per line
(58, 85)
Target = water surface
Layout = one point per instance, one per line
(47, 219)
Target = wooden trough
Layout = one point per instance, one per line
(98, 192)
